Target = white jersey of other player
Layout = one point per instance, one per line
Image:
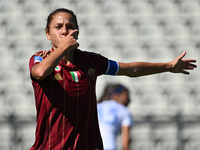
(112, 116)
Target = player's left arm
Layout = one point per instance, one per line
(125, 137)
(136, 69)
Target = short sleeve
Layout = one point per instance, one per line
(34, 60)
(99, 62)
(127, 119)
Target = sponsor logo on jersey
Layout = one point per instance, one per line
(91, 73)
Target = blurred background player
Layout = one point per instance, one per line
(114, 117)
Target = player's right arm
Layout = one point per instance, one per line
(47, 66)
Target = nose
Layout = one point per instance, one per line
(64, 31)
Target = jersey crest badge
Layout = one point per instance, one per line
(76, 76)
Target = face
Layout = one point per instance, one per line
(122, 98)
(61, 25)
(125, 98)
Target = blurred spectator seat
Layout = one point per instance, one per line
(5, 138)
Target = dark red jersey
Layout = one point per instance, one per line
(66, 103)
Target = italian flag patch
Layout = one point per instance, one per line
(76, 76)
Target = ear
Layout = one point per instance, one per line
(48, 35)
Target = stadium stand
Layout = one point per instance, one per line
(165, 107)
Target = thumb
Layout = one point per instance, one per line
(182, 55)
(74, 32)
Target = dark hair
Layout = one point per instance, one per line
(111, 89)
(51, 15)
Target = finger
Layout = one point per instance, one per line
(185, 72)
(73, 32)
(189, 68)
(193, 65)
(182, 55)
(189, 60)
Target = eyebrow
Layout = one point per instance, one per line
(59, 23)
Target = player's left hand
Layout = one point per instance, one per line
(180, 65)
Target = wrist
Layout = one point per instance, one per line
(169, 66)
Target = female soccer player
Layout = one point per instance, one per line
(64, 80)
